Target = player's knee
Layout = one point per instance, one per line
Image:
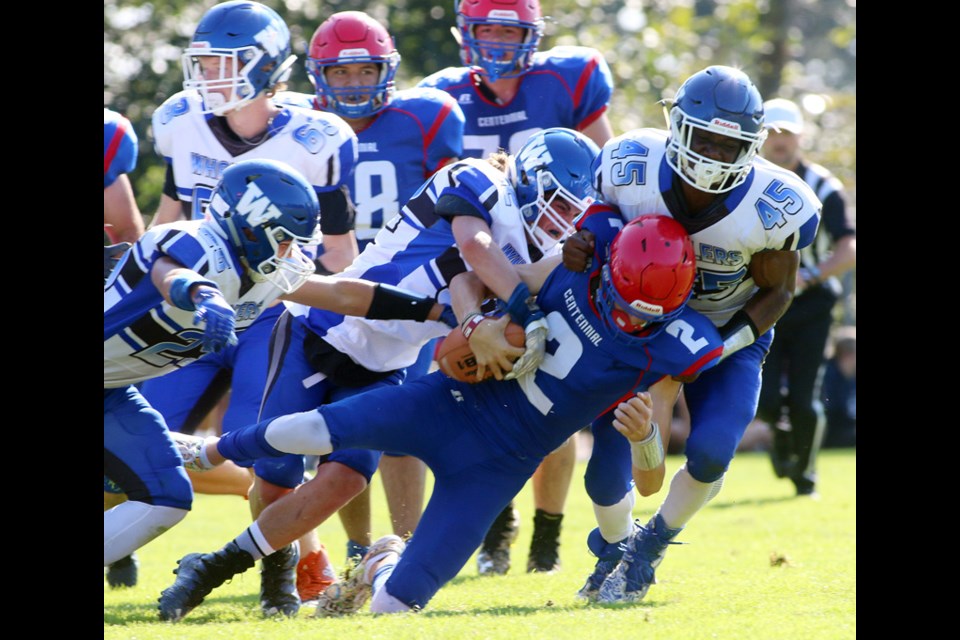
(605, 486)
(383, 602)
(286, 472)
(175, 490)
(707, 466)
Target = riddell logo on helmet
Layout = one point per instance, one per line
(354, 53)
(726, 124)
(503, 14)
(646, 307)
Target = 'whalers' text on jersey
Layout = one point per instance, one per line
(416, 250)
(565, 87)
(144, 336)
(772, 210)
(419, 131)
(319, 145)
(119, 147)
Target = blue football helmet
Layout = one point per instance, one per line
(252, 43)
(499, 59)
(649, 276)
(351, 37)
(717, 100)
(261, 204)
(553, 163)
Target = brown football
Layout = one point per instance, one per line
(457, 360)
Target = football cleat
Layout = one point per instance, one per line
(354, 589)
(608, 556)
(545, 543)
(643, 553)
(278, 582)
(494, 555)
(123, 572)
(190, 448)
(314, 575)
(197, 575)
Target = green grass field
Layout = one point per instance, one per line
(759, 563)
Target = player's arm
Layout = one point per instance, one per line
(170, 209)
(534, 275)
(376, 301)
(120, 211)
(337, 223)
(338, 252)
(663, 396)
(775, 273)
(484, 334)
(480, 251)
(600, 130)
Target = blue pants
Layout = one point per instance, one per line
(138, 454)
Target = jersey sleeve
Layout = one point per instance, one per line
(120, 146)
(471, 194)
(590, 79)
(444, 129)
(164, 123)
(603, 220)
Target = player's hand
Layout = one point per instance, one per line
(578, 251)
(212, 309)
(536, 349)
(491, 348)
(632, 418)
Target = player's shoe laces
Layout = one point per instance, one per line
(123, 572)
(191, 449)
(608, 555)
(494, 555)
(643, 552)
(545, 544)
(314, 575)
(278, 582)
(197, 575)
(352, 592)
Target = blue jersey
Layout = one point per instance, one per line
(419, 131)
(143, 335)
(565, 87)
(416, 250)
(119, 147)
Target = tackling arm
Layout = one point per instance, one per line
(120, 211)
(354, 297)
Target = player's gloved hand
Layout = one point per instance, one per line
(578, 251)
(111, 256)
(212, 308)
(524, 310)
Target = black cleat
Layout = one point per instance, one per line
(545, 544)
(278, 582)
(494, 555)
(123, 572)
(197, 575)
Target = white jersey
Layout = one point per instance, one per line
(773, 209)
(416, 250)
(319, 145)
(144, 336)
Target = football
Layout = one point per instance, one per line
(457, 360)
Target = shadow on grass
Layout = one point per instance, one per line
(527, 610)
(751, 502)
(124, 614)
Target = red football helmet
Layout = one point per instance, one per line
(649, 274)
(499, 59)
(352, 37)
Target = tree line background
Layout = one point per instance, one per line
(799, 49)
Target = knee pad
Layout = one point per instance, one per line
(606, 485)
(363, 461)
(283, 472)
(707, 465)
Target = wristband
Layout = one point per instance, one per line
(522, 307)
(180, 290)
(738, 333)
(471, 323)
(648, 453)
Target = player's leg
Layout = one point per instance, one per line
(722, 403)
(140, 457)
(551, 484)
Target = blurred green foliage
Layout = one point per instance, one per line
(791, 48)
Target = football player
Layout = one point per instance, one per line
(508, 90)
(219, 273)
(469, 215)
(238, 58)
(404, 138)
(617, 330)
(747, 219)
